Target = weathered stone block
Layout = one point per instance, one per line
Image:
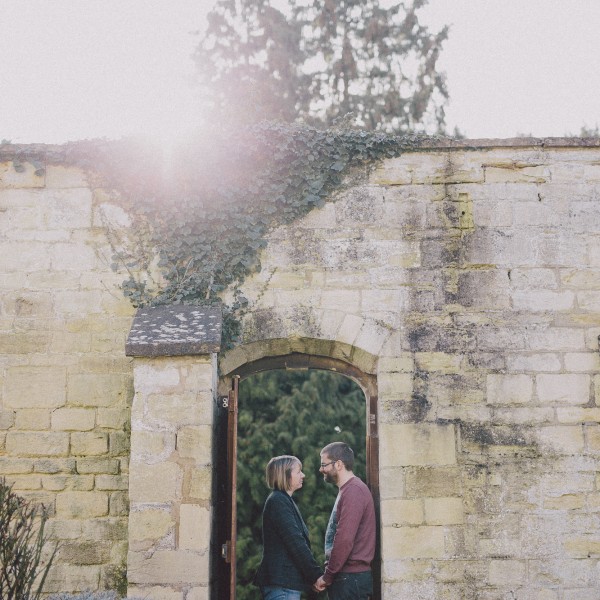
(349, 329)
(582, 361)
(562, 439)
(525, 415)
(484, 289)
(97, 389)
(444, 511)
(74, 257)
(533, 278)
(37, 444)
(60, 177)
(406, 444)
(118, 504)
(24, 482)
(556, 338)
(73, 419)
(149, 525)
(55, 465)
(24, 343)
(564, 502)
(413, 542)
(64, 529)
(433, 482)
(105, 529)
(401, 511)
(507, 572)
(98, 465)
(438, 362)
(119, 443)
(21, 175)
(577, 414)
(143, 482)
(533, 362)
(168, 567)
(198, 593)
(540, 300)
(517, 174)
(84, 552)
(195, 443)
(35, 387)
(200, 483)
(395, 386)
(391, 482)
(7, 419)
(571, 389)
(76, 578)
(194, 525)
(81, 505)
(89, 443)
(32, 419)
(589, 301)
(157, 592)
(15, 465)
(509, 389)
(149, 446)
(334, 299)
(112, 482)
(74, 303)
(585, 546)
(171, 412)
(112, 418)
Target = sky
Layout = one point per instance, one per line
(79, 69)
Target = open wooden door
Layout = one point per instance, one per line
(228, 550)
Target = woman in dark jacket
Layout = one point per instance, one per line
(288, 566)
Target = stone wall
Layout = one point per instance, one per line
(473, 275)
(467, 278)
(66, 385)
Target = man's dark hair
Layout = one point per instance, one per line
(340, 451)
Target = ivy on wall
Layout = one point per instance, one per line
(205, 208)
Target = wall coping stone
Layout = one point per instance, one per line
(59, 153)
(175, 331)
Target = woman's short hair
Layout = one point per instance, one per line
(279, 472)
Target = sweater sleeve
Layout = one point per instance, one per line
(284, 518)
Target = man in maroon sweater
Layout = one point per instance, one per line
(350, 536)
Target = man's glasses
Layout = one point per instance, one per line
(327, 464)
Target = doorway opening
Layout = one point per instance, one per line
(294, 404)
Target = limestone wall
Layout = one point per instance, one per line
(467, 279)
(66, 385)
(474, 278)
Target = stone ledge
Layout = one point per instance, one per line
(61, 153)
(174, 331)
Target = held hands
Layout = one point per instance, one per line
(319, 585)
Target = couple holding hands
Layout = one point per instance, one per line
(288, 567)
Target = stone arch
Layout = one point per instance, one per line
(354, 339)
(304, 353)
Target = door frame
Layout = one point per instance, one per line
(222, 572)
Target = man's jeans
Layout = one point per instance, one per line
(351, 586)
(270, 592)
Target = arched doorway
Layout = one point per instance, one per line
(225, 448)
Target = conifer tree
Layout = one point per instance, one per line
(291, 412)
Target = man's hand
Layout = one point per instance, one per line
(319, 585)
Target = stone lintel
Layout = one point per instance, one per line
(175, 331)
